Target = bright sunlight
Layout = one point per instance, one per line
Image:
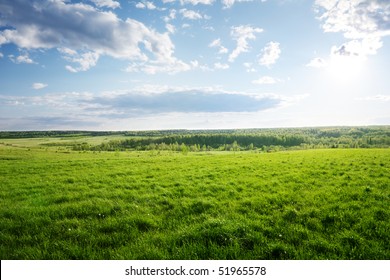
(346, 68)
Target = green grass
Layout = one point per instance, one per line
(315, 204)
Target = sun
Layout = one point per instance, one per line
(346, 68)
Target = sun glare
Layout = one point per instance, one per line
(346, 68)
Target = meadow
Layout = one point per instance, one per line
(57, 203)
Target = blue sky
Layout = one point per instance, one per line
(193, 64)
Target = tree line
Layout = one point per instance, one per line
(55, 133)
(248, 139)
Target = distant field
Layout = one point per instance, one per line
(310, 204)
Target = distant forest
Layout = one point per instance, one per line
(267, 140)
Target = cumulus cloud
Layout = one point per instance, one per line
(217, 44)
(229, 3)
(242, 34)
(107, 3)
(170, 16)
(270, 54)
(21, 59)
(3, 40)
(190, 14)
(355, 19)
(361, 48)
(363, 22)
(85, 61)
(38, 85)
(170, 27)
(89, 33)
(146, 5)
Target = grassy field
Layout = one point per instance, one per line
(314, 204)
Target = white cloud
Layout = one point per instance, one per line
(222, 66)
(151, 68)
(223, 50)
(208, 27)
(355, 19)
(21, 59)
(170, 27)
(358, 48)
(3, 40)
(147, 106)
(140, 5)
(107, 3)
(317, 62)
(241, 34)
(85, 30)
(190, 14)
(67, 51)
(270, 54)
(171, 16)
(266, 80)
(146, 5)
(86, 61)
(196, 65)
(148, 100)
(196, 2)
(150, 5)
(38, 85)
(217, 44)
(1, 55)
(249, 67)
(363, 22)
(229, 3)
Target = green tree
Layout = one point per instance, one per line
(184, 149)
(235, 146)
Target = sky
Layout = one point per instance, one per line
(193, 64)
